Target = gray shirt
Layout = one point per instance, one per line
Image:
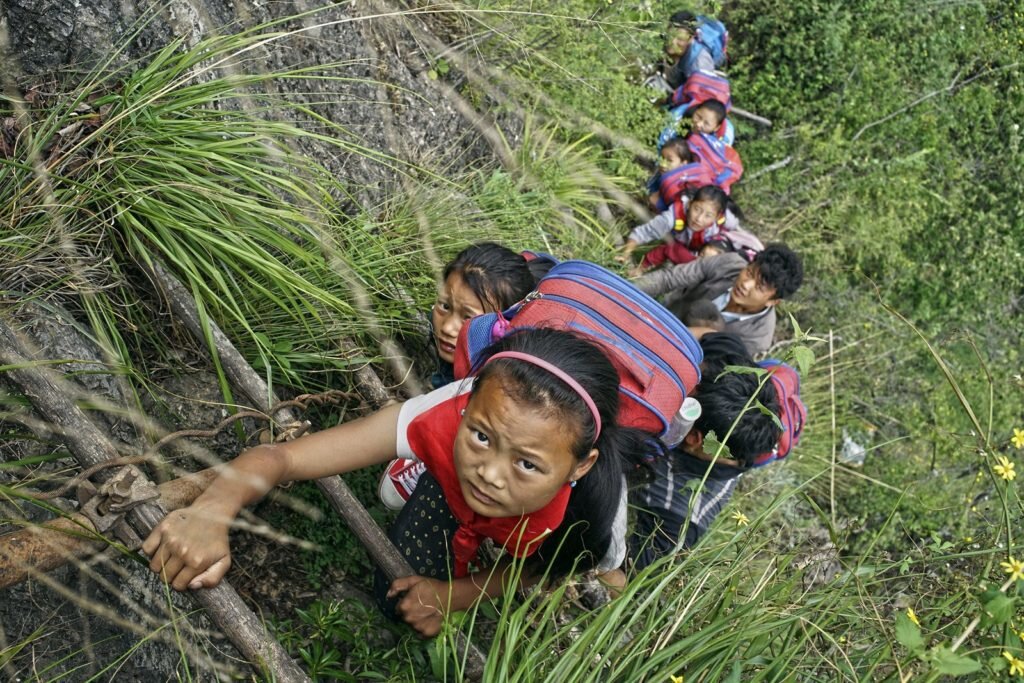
(662, 224)
(708, 278)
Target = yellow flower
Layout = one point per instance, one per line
(741, 519)
(1005, 468)
(1016, 665)
(1018, 438)
(1015, 568)
(676, 679)
(912, 616)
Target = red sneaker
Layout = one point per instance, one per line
(399, 481)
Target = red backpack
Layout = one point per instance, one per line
(701, 87)
(723, 160)
(793, 412)
(674, 183)
(657, 358)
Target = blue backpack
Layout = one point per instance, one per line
(657, 358)
(711, 36)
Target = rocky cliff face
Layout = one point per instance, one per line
(389, 104)
(95, 614)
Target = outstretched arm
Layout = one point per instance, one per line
(189, 548)
(683, 276)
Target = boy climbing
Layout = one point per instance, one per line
(745, 293)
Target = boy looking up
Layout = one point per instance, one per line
(745, 293)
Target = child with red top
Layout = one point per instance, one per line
(526, 453)
(679, 171)
(686, 226)
(482, 278)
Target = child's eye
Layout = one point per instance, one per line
(527, 465)
(443, 306)
(481, 438)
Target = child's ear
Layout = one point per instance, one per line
(694, 440)
(584, 465)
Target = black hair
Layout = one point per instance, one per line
(723, 394)
(704, 313)
(722, 349)
(679, 146)
(711, 193)
(716, 107)
(498, 276)
(720, 242)
(683, 19)
(779, 267)
(714, 193)
(584, 536)
(539, 267)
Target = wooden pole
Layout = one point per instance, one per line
(750, 116)
(90, 446)
(46, 546)
(342, 500)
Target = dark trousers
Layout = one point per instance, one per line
(422, 534)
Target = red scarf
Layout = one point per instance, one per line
(431, 437)
(690, 238)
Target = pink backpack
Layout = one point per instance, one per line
(723, 160)
(701, 87)
(793, 412)
(657, 358)
(674, 183)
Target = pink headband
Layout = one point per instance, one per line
(560, 374)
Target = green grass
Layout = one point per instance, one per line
(907, 212)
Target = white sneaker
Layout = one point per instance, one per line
(399, 481)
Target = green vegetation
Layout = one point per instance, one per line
(898, 176)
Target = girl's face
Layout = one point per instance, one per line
(456, 303)
(701, 215)
(669, 160)
(512, 458)
(704, 121)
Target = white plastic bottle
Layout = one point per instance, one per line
(682, 422)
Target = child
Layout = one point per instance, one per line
(527, 454)
(709, 118)
(679, 171)
(701, 88)
(703, 316)
(690, 221)
(669, 512)
(482, 278)
(692, 43)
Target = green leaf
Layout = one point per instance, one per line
(764, 410)
(999, 609)
(804, 358)
(713, 446)
(798, 332)
(743, 370)
(908, 633)
(950, 663)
